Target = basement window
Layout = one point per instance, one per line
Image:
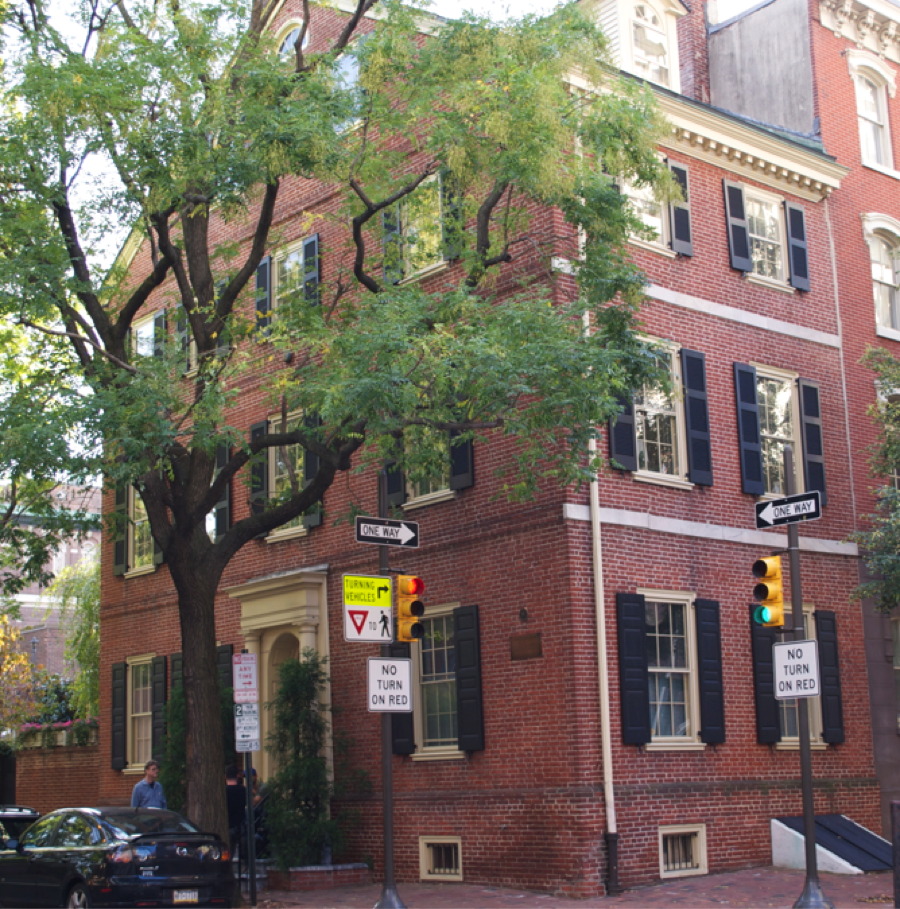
(440, 858)
(682, 850)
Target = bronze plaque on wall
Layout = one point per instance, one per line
(525, 646)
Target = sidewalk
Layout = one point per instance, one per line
(752, 888)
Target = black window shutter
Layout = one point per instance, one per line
(709, 663)
(451, 216)
(403, 738)
(118, 718)
(680, 213)
(158, 707)
(158, 555)
(183, 338)
(223, 339)
(696, 409)
(396, 484)
(120, 530)
(176, 665)
(768, 721)
(738, 229)
(462, 462)
(223, 664)
(222, 509)
(798, 252)
(392, 245)
(748, 429)
(311, 270)
(634, 679)
(622, 439)
(813, 445)
(313, 517)
(467, 650)
(264, 295)
(832, 706)
(259, 471)
(159, 334)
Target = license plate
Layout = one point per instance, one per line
(186, 896)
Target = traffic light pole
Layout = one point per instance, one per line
(389, 898)
(812, 896)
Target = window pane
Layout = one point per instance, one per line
(764, 225)
(649, 43)
(774, 398)
(422, 230)
(884, 284)
(438, 682)
(656, 426)
(668, 663)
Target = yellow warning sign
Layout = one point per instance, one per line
(363, 590)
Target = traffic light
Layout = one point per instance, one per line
(410, 608)
(769, 592)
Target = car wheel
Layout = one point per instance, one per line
(79, 898)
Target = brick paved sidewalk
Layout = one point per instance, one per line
(753, 888)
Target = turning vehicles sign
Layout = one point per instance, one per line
(368, 613)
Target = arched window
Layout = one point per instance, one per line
(873, 82)
(649, 44)
(288, 38)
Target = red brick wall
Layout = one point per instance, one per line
(62, 777)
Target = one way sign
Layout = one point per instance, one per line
(386, 532)
(789, 510)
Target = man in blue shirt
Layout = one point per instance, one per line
(148, 793)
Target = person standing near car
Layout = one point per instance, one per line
(148, 793)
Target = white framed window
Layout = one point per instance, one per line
(789, 715)
(434, 669)
(649, 44)
(765, 225)
(297, 272)
(779, 420)
(140, 539)
(284, 461)
(288, 37)
(435, 487)
(414, 234)
(651, 212)
(440, 858)
(873, 83)
(670, 630)
(885, 258)
(140, 710)
(682, 850)
(659, 423)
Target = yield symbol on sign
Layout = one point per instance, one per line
(358, 617)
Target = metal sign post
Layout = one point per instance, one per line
(246, 723)
(389, 898)
(812, 896)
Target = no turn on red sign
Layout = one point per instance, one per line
(796, 666)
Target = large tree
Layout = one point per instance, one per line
(180, 121)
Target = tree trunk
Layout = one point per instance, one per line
(205, 769)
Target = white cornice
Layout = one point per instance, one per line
(727, 142)
(873, 25)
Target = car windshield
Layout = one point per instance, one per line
(142, 823)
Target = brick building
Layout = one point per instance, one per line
(617, 684)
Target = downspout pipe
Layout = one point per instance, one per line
(613, 886)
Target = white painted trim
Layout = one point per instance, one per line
(721, 533)
(861, 61)
(733, 314)
(876, 222)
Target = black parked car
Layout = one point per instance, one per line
(14, 819)
(80, 857)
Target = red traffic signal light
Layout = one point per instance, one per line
(410, 608)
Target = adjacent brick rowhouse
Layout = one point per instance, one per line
(529, 808)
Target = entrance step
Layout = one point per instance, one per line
(842, 845)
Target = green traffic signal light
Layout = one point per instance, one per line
(768, 592)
